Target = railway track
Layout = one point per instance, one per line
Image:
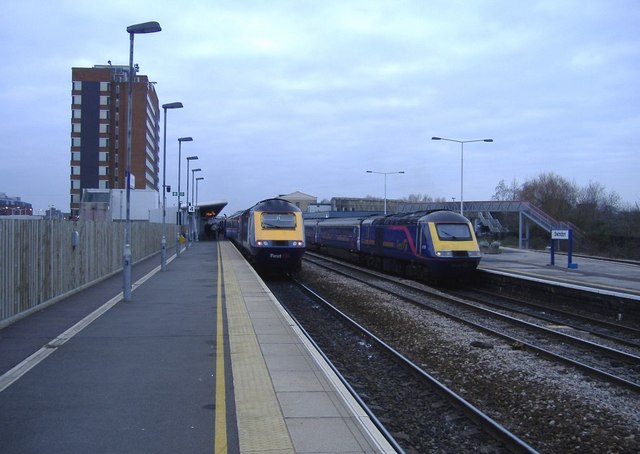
(606, 363)
(553, 407)
(422, 414)
(619, 334)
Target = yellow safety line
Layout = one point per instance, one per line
(220, 442)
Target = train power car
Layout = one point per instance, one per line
(270, 234)
(438, 245)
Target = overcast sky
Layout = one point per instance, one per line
(284, 96)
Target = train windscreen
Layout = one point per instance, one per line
(453, 232)
(278, 221)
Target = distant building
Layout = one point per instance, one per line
(54, 214)
(110, 205)
(300, 199)
(363, 204)
(13, 206)
(99, 131)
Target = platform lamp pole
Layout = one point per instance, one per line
(190, 158)
(198, 179)
(462, 142)
(163, 242)
(179, 219)
(192, 218)
(147, 27)
(385, 184)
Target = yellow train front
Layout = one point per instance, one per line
(270, 234)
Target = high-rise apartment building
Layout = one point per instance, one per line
(99, 131)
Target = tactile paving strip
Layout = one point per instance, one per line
(261, 425)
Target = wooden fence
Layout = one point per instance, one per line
(39, 264)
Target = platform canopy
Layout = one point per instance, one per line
(211, 209)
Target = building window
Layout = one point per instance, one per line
(75, 156)
(76, 114)
(105, 100)
(104, 128)
(76, 99)
(104, 115)
(103, 184)
(103, 156)
(75, 170)
(75, 141)
(75, 127)
(75, 198)
(103, 170)
(105, 86)
(75, 184)
(103, 142)
(77, 85)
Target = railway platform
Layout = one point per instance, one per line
(591, 274)
(203, 359)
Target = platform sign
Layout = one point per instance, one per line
(560, 234)
(563, 234)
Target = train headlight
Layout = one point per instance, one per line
(297, 243)
(444, 254)
(474, 254)
(262, 243)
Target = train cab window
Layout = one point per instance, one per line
(453, 232)
(278, 221)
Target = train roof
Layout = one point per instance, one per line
(393, 219)
(275, 204)
(420, 216)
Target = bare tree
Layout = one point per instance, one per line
(552, 193)
(507, 192)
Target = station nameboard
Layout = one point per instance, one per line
(560, 234)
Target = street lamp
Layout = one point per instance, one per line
(163, 242)
(462, 142)
(147, 27)
(385, 184)
(197, 180)
(179, 219)
(193, 174)
(197, 231)
(192, 217)
(189, 158)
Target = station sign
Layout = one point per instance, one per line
(560, 234)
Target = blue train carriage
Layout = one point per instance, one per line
(274, 238)
(439, 244)
(339, 237)
(311, 234)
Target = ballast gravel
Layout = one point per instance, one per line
(552, 407)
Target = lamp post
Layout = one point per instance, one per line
(163, 242)
(179, 219)
(146, 27)
(189, 158)
(462, 142)
(197, 180)
(197, 232)
(385, 184)
(192, 217)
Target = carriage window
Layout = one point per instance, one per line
(453, 232)
(278, 221)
